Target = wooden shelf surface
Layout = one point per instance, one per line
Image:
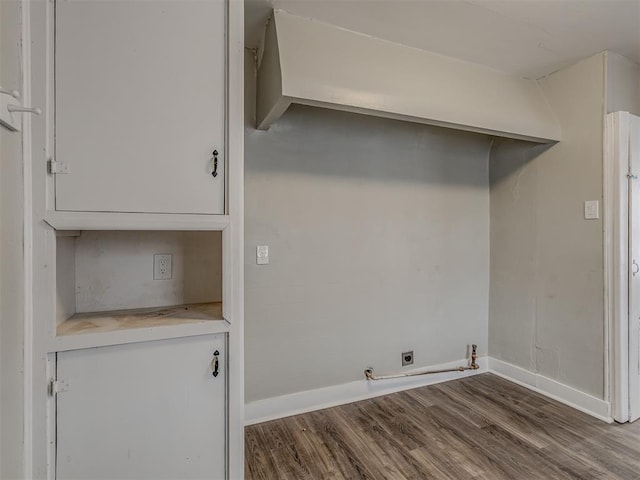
(101, 322)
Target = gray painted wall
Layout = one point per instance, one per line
(11, 258)
(379, 240)
(546, 297)
(623, 84)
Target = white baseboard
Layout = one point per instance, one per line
(584, 402)
(310, 400)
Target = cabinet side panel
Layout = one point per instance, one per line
(65, 278)
(202, 267)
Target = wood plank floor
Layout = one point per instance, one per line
(480, 427)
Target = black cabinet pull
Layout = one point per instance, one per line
(215, 364)
(214, 161)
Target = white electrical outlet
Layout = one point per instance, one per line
(262, 254)
(162, 266)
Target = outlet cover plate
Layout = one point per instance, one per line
(407, 358)
(262, 255)
(162, 266)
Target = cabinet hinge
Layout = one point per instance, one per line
(58, 168)
(57, 386)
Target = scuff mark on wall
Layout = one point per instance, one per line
(547, 361)
(534, 339)
(515, 188)
(526, 157)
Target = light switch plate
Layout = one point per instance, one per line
(262, 254)
(591, 210)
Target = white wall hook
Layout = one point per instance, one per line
(14, 93)
(8, 99)
(18, 108)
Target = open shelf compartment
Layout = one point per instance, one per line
(105, 280)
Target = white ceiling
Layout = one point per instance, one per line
(528, 37)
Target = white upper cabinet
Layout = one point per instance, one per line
(140, 106)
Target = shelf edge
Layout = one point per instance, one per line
(135, 335)
(134, 221)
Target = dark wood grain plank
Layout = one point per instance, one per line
(412, 466)
(479, 427)
(323, 464)
(350, 464)
(258, 459)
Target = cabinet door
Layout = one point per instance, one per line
(140, 105)
(149, 410)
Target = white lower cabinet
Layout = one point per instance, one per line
(150, 410)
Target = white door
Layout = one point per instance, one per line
(140, 105)
(634, 274)
(149, 410)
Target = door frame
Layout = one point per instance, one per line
(621, 378)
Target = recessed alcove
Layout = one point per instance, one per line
(105, 280)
